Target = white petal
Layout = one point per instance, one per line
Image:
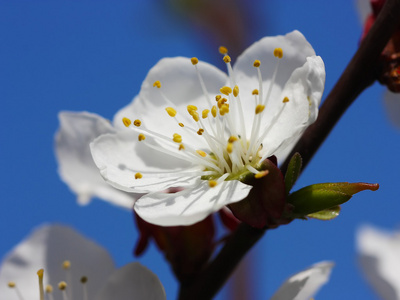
(120, 156)
(304, 90)
(181, 86)
(363, 9)
(47, 247)
(132, 281)
(76, 166)
(190, 205)
(379, 255)
(304, 285)
(392, 104)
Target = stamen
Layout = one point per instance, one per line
(157, 84)
(137, 123)
(126, 122)
(12, 285)
(224, 109)
(259, 108)
(257, 63)
(138, 175)
(214, 111)
(217, 97)
(278, 52)
(62, 286)
(236, 91)
(171, 111)
(285, 100)
(41, 289)
(84, 279)
(66, 266)
(200, 131)
(226, 90)
(141, 137)
(261, 174)
(181, 147)
(223, 50)
(212, 183)
(255, 92)
(181, 124)
(49, 291)
(201, 153)
(227, 59)
(204, 114)
(232, 139)
(229, 147)
(194, 60)
(177, 138)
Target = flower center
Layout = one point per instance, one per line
(229, 152)
(65, 287)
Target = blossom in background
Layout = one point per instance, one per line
(379, 257)
(75, 163)
(194, 127)
(389, 73)
(86, 270)
(305, 284)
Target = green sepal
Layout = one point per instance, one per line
(326, 214)
(322, 196)
(293, 171)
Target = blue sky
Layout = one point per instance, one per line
(93, 55)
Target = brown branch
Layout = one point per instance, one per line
(358, 75)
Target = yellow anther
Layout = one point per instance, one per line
(200, 131)
(191, 109)
(201, 153)
(278, 52)
(181, 124)
(217, 97)
(259, 108)
(66, 264)
(229, 147)
(177, 138)
(227, 59)
(223, 50)
(286, 99)
(157, 84)
(224, 109)
(171, 111)
(138, 175)
(204, 114)
(226, 90)
(40, 273)
(195, 116)
(257, 63)
(11, 284)
(49, 289)
(214, 111)
(221, 101)
(126, 122)
(181, 147)
(261, 174)
(194, 60)
(236, 91)
(212, 183)
(84, 279)
(141, 137)
(62, 285)
(137, 123)
(254, 92)
(232, 139)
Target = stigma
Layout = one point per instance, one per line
(231, 144)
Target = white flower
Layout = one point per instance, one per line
(305, 284)
(68, 257)
(379, 256)
(203, 131)
(75, 163)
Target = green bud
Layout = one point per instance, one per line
(319, 197)
(326, 214)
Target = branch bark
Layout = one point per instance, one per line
(359, 74)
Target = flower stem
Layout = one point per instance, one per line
(359, 74)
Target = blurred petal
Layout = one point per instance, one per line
(379, 256)
(306, 284)
(132, 281)
(392, 104)
(48, 247)
(190, 205)
(76, 166)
